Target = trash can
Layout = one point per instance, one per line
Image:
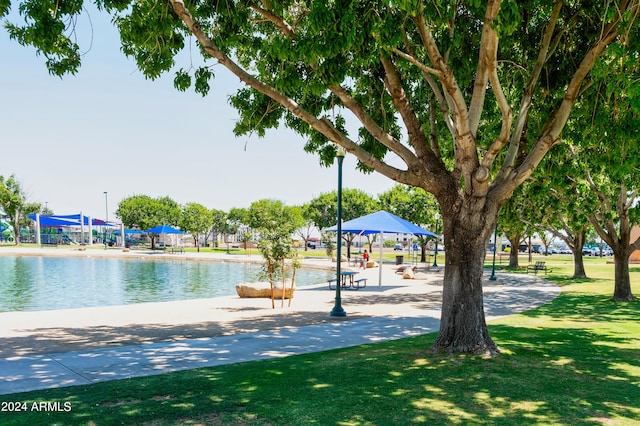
(399, 260)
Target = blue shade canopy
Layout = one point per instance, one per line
(67, 220)
(164, 229)
(381, 221)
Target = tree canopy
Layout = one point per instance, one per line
(195, 219)
(13, 201)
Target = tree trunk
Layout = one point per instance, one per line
(462, 324)
(578, 263)
(16, 233)
(622, 288)
(514, 240)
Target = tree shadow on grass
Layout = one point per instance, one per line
(549, 376)
(588, 307)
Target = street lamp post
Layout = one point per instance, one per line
(337, 310)
(495, 249)
(435, 256)
(106, 218)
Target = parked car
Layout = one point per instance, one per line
(398, 246)
(594, 251)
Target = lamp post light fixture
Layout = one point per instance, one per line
(337, 310)
(435, 256)
(106, 210)
(495, 249)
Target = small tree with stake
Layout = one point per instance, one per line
(279, 258)
(275, 223)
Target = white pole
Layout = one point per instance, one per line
(81, 229)
(380, 265)
(38, 241)
(90, 220)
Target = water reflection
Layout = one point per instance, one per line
(17, 283)
(44, 283)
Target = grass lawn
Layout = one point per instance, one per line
(574, 361)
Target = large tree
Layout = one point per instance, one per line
(144, 212)
(465, 96)
(13, 201)
(306, 230)
(606, 187)
(195, 219)
(553, 206)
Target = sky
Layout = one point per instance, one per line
(108, 129)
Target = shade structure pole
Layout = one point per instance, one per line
(380, 265)
(106, 210)
(38, 237)
(81, 228)
(337, 310)
(90, 221)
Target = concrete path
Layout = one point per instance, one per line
(517, 293)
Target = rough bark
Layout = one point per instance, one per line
(513, 254)
(622, 287)
(576, 244)
(578, 263)
(462, 324)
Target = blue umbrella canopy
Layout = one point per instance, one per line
(164, 229)
(381, 221)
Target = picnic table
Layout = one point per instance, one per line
(348, 280)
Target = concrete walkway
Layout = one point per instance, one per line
(516, 293)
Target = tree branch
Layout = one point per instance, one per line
(414, 127)
(550, 133)
(440, 98)
(466, 157)
(278, 21)
(527, 95)
(486, 64)
(503, 138)
(372, 127)
(414, 178)
(422, 67)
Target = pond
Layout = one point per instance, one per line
(34, 283)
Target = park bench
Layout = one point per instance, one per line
(362, 282)
(539, 266)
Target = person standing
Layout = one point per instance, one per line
(365, 259)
